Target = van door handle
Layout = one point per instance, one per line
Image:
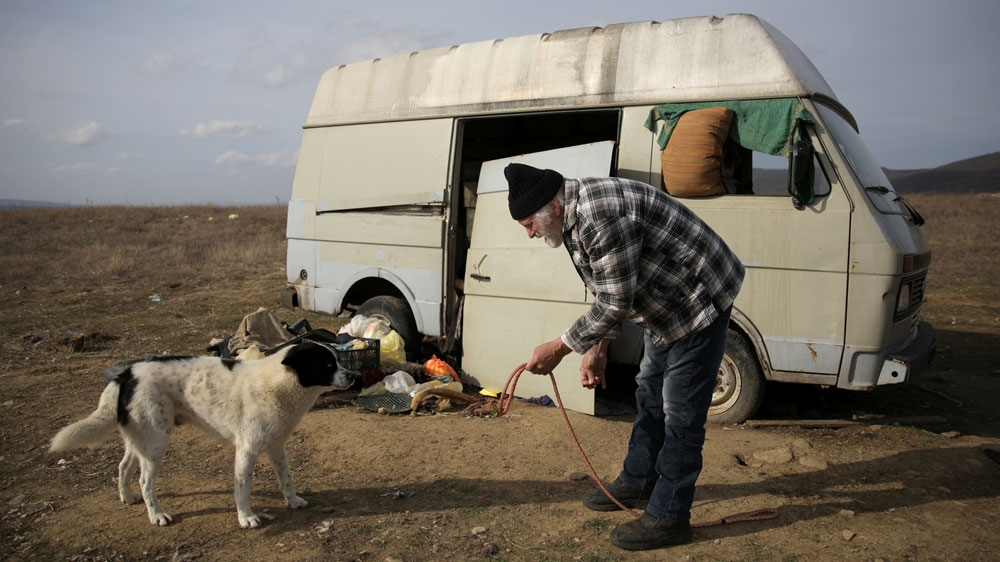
(478, 276)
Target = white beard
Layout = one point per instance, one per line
(553, 242)
(550, 229)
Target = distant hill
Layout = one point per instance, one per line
(980, 174)
(10, 204)
(974, 175)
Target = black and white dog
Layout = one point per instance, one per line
(254, 405)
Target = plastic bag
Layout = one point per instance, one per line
(251, 353)
(362, 326)
(391, 349)
(376, 329)
(377, 388)
(438, 368)
(399, 382)
(355, 326)
(456, 386)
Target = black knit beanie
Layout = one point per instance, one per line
(530, 189)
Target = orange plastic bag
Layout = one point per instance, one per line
(435, 367)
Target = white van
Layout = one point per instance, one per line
(399, 208)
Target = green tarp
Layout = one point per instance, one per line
(760, 125)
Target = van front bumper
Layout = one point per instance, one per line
(289, 297)
(912, 359)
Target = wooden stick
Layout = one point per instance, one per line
(846, 423)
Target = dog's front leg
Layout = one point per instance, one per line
(149, 461)
(243, 468)
(279, 462)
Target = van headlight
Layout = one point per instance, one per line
(903, 299)
(910, 296)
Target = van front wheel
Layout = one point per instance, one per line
(398, 315)
(739, 385)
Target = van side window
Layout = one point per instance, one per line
(735, 147)
(746, 172)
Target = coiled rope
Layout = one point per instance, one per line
(507, 397)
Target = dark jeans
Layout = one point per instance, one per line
(675, 390)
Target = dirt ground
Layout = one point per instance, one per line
(895, 474)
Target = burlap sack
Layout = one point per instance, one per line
(261, 328)
(692, 159)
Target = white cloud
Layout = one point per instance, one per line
(87, 133)
(12, 124)
(158, 64)
(261, 69)
(68, 168)
(287, 72)
(84, 134)
(226, 129)
(231, 157)
(385, 43)
(277, 76)
(81, 168)
(131, 156)
(265, 64)
(280, 159)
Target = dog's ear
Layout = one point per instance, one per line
(312, 363)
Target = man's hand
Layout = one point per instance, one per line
(547, 356)
(594, 363)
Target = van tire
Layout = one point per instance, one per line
(397, 313)
(739, 389)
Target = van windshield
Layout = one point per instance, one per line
(867, 170)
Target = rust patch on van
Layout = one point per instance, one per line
(812, 352)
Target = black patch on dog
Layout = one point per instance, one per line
(168, 358)
(313, 364)
(228, 363)
(116, 369)
(126, 388)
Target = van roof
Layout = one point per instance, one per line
(707, 58)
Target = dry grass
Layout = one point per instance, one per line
(151, 246)
(964, 233)
(103, 263)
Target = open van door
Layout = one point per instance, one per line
(519, 292)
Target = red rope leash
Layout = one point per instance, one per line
(505, 400)
(503, 406)
(757, 515)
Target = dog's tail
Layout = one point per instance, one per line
(95, 428)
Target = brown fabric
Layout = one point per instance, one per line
(261, 328)
(692, 160)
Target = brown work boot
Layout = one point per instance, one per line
(648, 532)
(628, 496)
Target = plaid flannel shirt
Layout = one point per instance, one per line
(646, 258)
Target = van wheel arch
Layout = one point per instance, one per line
(740, 383)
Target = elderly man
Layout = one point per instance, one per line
(646, 258)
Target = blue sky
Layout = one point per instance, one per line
(123, 102)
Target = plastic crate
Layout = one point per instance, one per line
(360, 359)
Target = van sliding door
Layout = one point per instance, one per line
(518, 291)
